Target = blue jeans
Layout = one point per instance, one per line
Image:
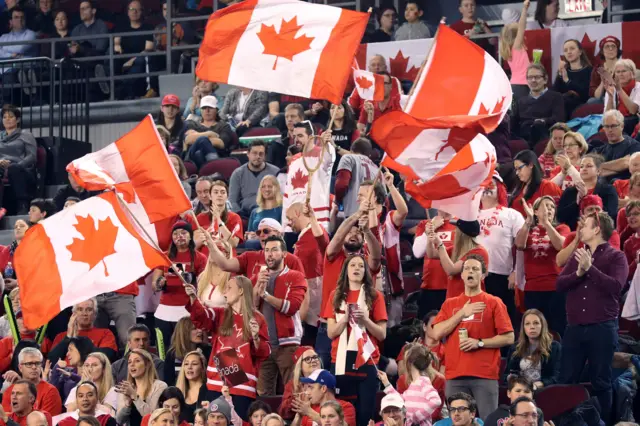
(360, 390)
(323, 345)
(595, 344)
(202, 151)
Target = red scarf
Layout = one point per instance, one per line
(627, 89)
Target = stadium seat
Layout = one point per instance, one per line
(540, 146)
(192, 169)
(586, 110)
(224, 166)
(517, 145)
(261, 131)
(41, 168)
(555, 400)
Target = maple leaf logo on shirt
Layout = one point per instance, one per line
(284, 44)
(363, 82)
(97, 244)
(299, 180)
(398, 67)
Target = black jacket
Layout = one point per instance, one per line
(500, 416)
(569, 211)
(550, 366)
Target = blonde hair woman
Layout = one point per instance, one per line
(97, 369)
(142, 389)
(514, 51)
(186, 338)
(162, 417)
(567, 172)
(306, 361)
(272, 419)
(192, 382)
(212, 281)
(269, 200)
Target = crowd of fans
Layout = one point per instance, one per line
(253, 311)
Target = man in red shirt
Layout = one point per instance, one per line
(476, 325)
(278, 292)
(312, 242)
(23, 398)
(249, 262)
(81, 324)
(319, 388)
(30, 365)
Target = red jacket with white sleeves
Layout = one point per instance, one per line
(291, 287)
(249, 357)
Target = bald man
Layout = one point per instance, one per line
(377, 64)
(37, 418)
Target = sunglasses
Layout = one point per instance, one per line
(265, 231)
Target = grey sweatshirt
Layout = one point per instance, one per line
(413, 31)
(20, 148)
(243, 187)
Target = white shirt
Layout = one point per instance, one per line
(242, 100)
(498, 229)
(635, 97)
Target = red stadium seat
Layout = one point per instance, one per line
(540, 146)
(586, 110)
(192, 169)
(517, 145)
(559, 399)
(224, 166)
(261, 131)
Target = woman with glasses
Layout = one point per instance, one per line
(632, 194)
(219, 221)
(532, 185)
(547, 159)
(569, 204)
(540, 239)
(610, 52)
(387, 18)
(97, 369)
(623, 93)
(269, 201)
(306, 361)
(567, 171)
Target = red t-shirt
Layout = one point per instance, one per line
(48, 399)
(433, 275)
(378, 312)
(622, 187)
(546, 188)
(233, 222)
(540, 267)
(310, 250)
(347, 408)
(22, 421)
(622, 222)
(614, 240)
(101, 338)
(456, 285)
(631, 248)
(251, 261)
(174, 294)
(494, 320)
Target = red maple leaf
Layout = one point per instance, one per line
(97, 243)
(458, 139)
(363, 82)
(589, 46)
(399, 65)
(299, 180)
(284, 44)
(496, 108)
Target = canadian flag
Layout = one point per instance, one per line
(366, 348)
(403, 58)
(298, 183)
(88, 249)
(446, 168)
(370, 86)
(284, 46)
(138, 167)
(459, 80)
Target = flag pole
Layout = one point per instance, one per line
(424, 62)
(149, 238)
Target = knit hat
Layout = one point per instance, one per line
(299, 352)
(171, 100)
(470, 228)
(181, 224)
(610, 39)
(590, 200)
(220, 405)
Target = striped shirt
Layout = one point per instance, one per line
(421, 400)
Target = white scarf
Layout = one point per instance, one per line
(349, 343)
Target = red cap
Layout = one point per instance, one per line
(590, 200)
(171, 100)
(299, 352)
(610, 39)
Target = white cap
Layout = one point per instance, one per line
(270, 223)
(209, 101)
(510, 16)
(391, 400)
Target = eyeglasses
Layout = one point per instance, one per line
(533, 416)
(520, 167)
(310, 359)
(458, 409)
(265, 231)
(535, 77)
(34, 364)
(133, 9)
(610, 126)
(570, 145)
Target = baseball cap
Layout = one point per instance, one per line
(391, 400)
(209, 101)
(322, 377)
(171, 100)
(271, 223)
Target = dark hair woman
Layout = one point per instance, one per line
(531, 186)
(343, 131)
(574, 76)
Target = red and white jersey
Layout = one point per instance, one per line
(389, 237)
(249, 357)
(291, 287)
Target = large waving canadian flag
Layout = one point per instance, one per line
(284, 46)
(88, 249)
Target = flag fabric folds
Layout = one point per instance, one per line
(366, 348)
(370, 86)
(284, 46)
(83, 251)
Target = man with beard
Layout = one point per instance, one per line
(279, 292)
(476, 325)
(87, 400)
(348, 239)
(249, 262)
